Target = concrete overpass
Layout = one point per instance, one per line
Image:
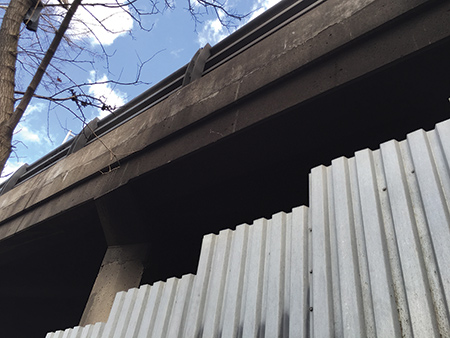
(299, 87)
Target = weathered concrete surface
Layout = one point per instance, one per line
(287, 68)
(202, 161)
(121, 270)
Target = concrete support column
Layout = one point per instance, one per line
(125, 258)
(121, 270)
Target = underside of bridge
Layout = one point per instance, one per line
(49, 269)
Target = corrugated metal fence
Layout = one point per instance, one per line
(369, 258)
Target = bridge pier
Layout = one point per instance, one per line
(121, 269)
(125, 258)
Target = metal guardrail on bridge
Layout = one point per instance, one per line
(265, 24)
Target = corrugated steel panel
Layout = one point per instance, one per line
(252, 281)
(368, 259)
(89, 331)
(381, 240)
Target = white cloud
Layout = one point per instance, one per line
(101, 24)
(25, 132)
(103, 91)
(38, 107)
(261, 6)
(31, 133)
(213, 31)
(26, 135)
(176, 53)
(195, 4)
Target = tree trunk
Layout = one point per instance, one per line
(9, 37)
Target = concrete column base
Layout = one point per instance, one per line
(121, 269)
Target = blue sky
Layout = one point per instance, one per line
(171, 43)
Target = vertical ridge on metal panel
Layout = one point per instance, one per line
(380, 282)
(97, 330)
(232, 311)
(114, 315)
(271, 324)
(287, 291)
(443, 130)
(253, 280)
(392, 250)
(87, 331)
(264, 287)
(298, 312)
(361, 252)
(442, 162)
(151, 310)
(180, 306)
(322, 301)
(66, 333)
(125, 313)
(332, 242)
(196, 305)
(433, 222)
(165, 308)
(137, 311)
(408, 242)
(215, 289)
(310, 332)
(348, 266)
(76, 332)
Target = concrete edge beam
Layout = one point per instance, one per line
(37, 190)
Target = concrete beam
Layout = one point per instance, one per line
(121, 220)
(334, 44)
(121, 269)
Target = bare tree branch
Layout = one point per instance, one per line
(18, 112)
(46, 54)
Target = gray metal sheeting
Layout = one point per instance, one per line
(368, 258)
